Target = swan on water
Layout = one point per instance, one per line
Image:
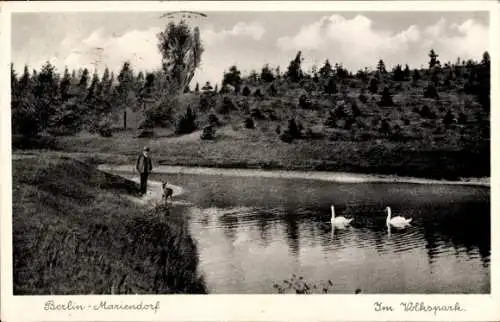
(339, 221)
(398, 221)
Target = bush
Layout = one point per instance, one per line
(448, 119)
(246, 91)
(257, 113)
(363, 98)
(292, 132)
(304, 102)
(208, 133)
(213, 119)
(207, 101)
(146, 134)
(386, 99)
(227, 105)
(431, 92)
(385, 127)
(249, 123)
(462, 118)
(373, 88)
(331, 120)
(426, 112)
(187, 123)
(355, 109)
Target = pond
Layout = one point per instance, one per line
(254, 231)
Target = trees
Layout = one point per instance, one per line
(294, 72)
(266, 74)
(433, 59)
(232, 77)
(398, 73)
(181, 49)
(381, 71)
(326, 70)
(125, 91)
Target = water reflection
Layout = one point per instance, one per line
(254, 232)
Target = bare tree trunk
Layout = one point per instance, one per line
(124, 119)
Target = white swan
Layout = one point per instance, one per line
(339, 221)
(398, 221)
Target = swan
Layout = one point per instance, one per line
(339, 221)
(398, 221)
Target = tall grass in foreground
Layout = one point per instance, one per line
(73, 234)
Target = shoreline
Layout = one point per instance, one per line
(340, 177)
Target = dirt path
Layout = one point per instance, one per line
(314, 175)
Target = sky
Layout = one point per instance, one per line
(249, 39)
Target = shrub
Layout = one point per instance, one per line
(386, 99)
(385, 127)
(426, 112)
(257, 113)
(208, 133)
(363, 98)
(355, 109)
(304, 102)
(292, 132)
(331, 120)
(227, 105)
(448, 119)
(146, 134)
(187, 123)
(373, 88)
(286, 137)
(246, 91)
(213, 119)
(431, 92)
(249, 123)
(207, 101)
(462, 118)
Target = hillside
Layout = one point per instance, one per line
(432, 122)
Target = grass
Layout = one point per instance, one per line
(258, 151)
(75, 233)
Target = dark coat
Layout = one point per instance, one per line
(144, 165)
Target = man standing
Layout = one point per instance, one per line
(144, 166)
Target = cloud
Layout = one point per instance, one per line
(356, 43)
(252, 30)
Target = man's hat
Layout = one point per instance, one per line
(146, 149)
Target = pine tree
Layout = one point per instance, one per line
(381, 68)
(294, 72)
(266, 74)
(326, 70)
(398, 74)
(92, 91)
(232, 77)
(406, 72)
(64, 86)
(433, 59)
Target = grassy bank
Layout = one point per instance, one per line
(252, 149)
(75, 233)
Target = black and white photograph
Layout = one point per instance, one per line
(333, 152)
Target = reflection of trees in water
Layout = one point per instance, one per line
(229, 224)
(292, 232)
(263, 224)
(465, 226)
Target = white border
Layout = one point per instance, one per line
(241, 307)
